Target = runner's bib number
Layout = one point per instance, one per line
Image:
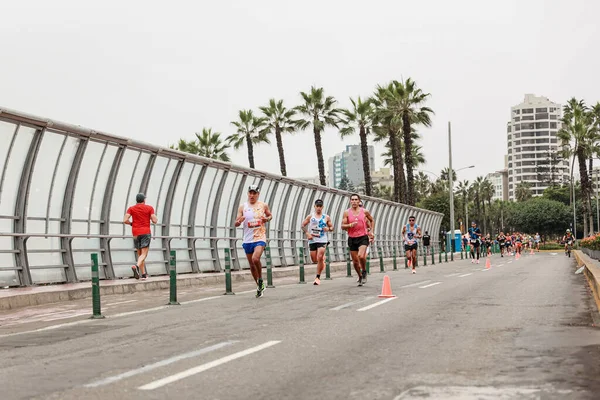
(254, 223)
(316, 232)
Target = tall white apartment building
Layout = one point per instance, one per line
(531, 137)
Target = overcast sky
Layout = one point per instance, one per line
(158, 71)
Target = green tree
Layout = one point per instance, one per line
(523, 191)
(320, 112)
(561, 193)
(208, 144)
(578, 136)
(422, 185)
(383, 192)
(387, 124)
(463, 191)
(344, 183)
(540, 215)
(360, 117)
(439, 202)
(487, 192)
(279, 120)
(405, 102)
(249, 131)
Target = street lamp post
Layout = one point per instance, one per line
(451, 190)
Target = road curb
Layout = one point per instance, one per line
(592, 273)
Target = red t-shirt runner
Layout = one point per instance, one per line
(140, 219)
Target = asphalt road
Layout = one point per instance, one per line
(522, 329)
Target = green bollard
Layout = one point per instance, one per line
(228, 288)
(173, 279)
(369, 263)
(301, 259)
(327, 264)
(461, 253)
(348, 263)
(269, 267)
(440, 255)
(432, 255)
(424, 258)
(96, 311)
(445, 256)
(405, 261)
(381, 267)
(394, 259)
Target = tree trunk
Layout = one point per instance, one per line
(585, 190)
(394, 151)
(594, 192)
(320, 163)
(250, 151)
(484, 218)
(402, 177)
(364, 149)
(410, 193)
(280, 150)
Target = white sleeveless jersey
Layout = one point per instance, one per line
(409, 236)
(315, 228)
(254, 229)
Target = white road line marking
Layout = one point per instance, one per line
(376, 304)
(486, 269)
(201, 368)
(448, 276)
(159, 364)
(500, 265)
(350, 304)
(510, 262)
(78, 314)
(463, 275)
(122, 302)
(430, 285)
(202, 299)
(414, 284)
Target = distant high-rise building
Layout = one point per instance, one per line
(497, 180)
(349, 163)
(532, 141)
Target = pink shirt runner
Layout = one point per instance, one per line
(360, 229)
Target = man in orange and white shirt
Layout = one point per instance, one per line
(253, 215)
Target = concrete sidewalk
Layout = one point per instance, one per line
(592, 273)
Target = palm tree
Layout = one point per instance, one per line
(209, 145)
(487, 192)
(249, 130)
(422, 185)
(387, 125)
(278, 120)
(476, 187)
(360, 117)
(320, 113)
(463, 189)
(405, 102)
(417, 155)
(578, 135)
(523, 191)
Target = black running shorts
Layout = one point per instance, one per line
(142, 241)
(356, 242)
(315, 246)
(409, 247)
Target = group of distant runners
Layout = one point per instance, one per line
(253, 216)
(358, 222)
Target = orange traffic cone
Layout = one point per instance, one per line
(386, 289)
(488, 263)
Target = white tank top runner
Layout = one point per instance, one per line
(254, 229)
(315, 228)
(409, 236)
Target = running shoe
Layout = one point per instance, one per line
(317, 282)
(477, 261)
(144, 277)
(364, 276)
(136, 271)
(263, 287)
(360, 282)
(414, 271)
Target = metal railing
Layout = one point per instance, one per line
(64, 189)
